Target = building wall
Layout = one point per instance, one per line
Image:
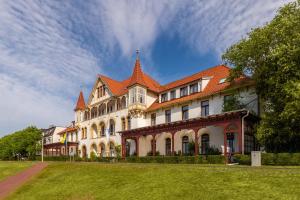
(215, 107)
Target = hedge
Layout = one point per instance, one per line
(210, 159)
(279, 159)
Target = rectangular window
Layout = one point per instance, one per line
(183, 91)
(98, 92)
(141, 96)
(128, 123)
(185, 112)
(133, 95)
(168, 116)
(123, 124)
(164, 97)
(172, 94)
(194, 88)
(204, 108)
(153, 119)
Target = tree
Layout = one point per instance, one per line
(24, 143)
(271, 55)
(231, 103)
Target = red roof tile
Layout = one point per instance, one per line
(68, 129)
(80, 102)
(213, 87)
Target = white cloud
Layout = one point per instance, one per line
(215, 25)
(49, 48)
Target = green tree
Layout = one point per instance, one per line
(24, 143)
(271, 55)
(231, 103)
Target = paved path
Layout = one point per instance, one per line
(11, 183)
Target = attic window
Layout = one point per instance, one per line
(222, 80)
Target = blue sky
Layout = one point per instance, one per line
(49, 49)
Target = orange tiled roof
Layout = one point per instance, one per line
(68, 129)
(138, 77)
(80, 102)
(213, 87)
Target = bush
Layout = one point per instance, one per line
(242, 159)
(215, 159)
(281, 159)
(213, 151)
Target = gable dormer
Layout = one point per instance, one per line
(99, 92)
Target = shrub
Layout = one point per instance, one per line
(93, 156)
(211, 150)
(281, 159)
(242, 159)
(215, 159)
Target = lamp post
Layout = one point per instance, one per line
(42, 146)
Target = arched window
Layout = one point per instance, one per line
(102, 148)
(168, 147)
(123, 102)
(128, 123)
(204, 143)
(185, 145)
(86, 115)
(112, 149)
(102, 129)
(101, 109)
(111, 127)
(94, 131)
(111, 106)
(94, 112)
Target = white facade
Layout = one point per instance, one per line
(138, 100)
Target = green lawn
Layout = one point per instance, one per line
(8, 168)
(161, 181)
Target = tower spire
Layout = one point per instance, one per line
(137, 54)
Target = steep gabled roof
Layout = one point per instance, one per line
(80, 102)
(137, 76)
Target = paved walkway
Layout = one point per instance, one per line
(11, 183)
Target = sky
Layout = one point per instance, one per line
(50, 50)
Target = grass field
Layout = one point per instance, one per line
(161, 181)
(8, 168)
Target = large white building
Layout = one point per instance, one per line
(146, 117)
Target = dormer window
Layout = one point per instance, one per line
(183, 91)
(133, 95)
(194, 88)
(164, 97)
(141, 95)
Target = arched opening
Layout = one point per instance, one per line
(111, 106)
(94, 112)
(118, 104)
(112, 149)
(111, 127)
(102, 150)
(168, 147)
(86, 115)
(101, 109)
(94, 149)
(102, 129)
(204, 143)
(130, 147)
(83, 150)
(123, 102)
(94, 131)
(185, 145)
